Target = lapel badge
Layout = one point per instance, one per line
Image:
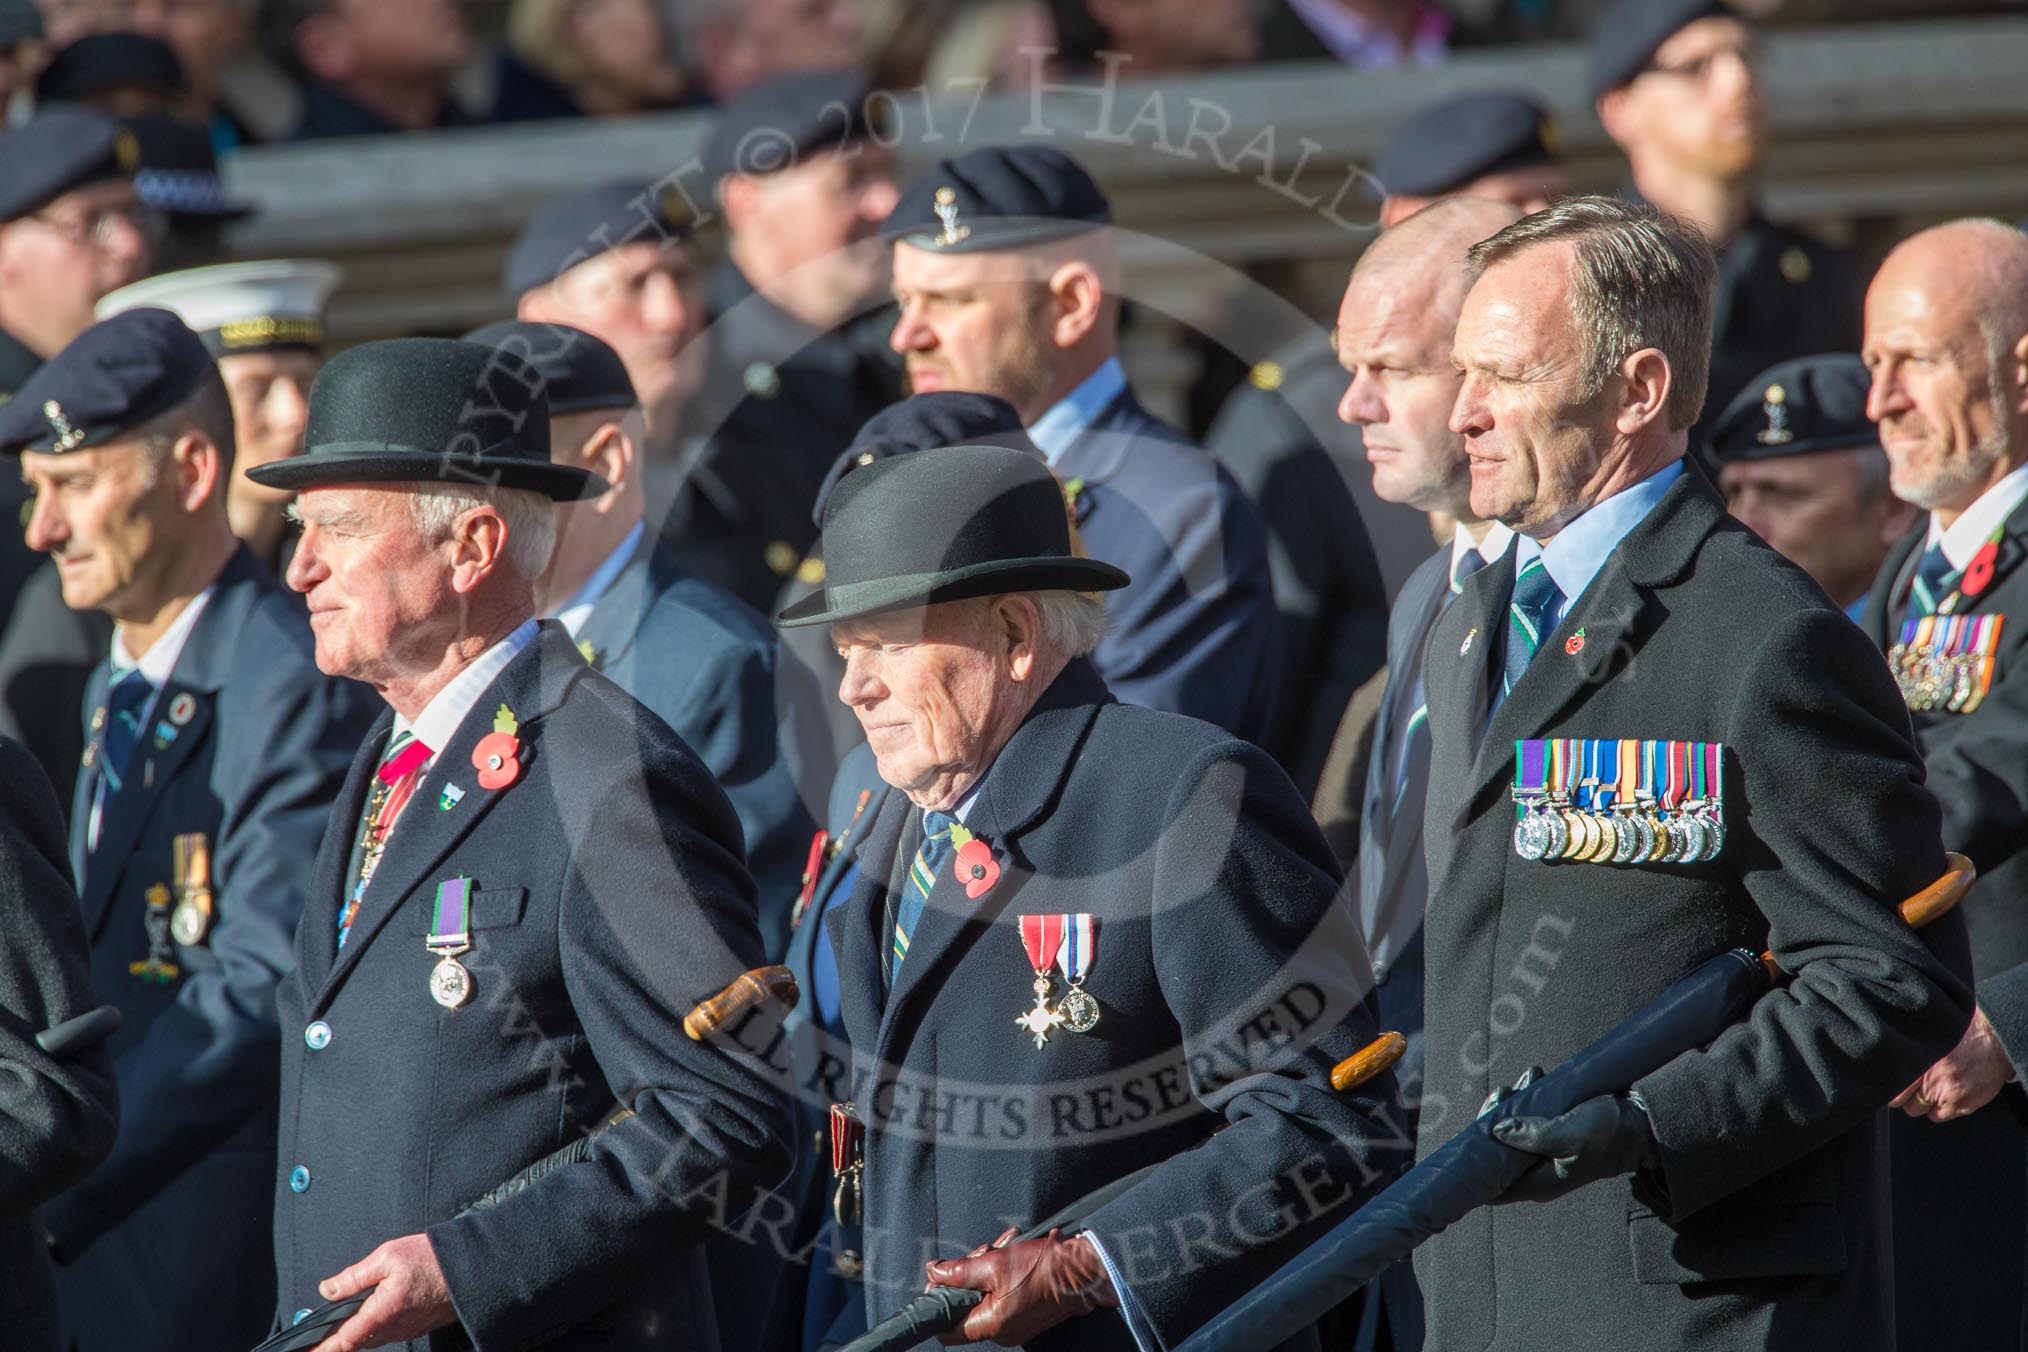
(1796, 267)
(67, 437)
(1775, 404)
(761, 380)
(1979, 572)
(165, 733)
(946, 207)
(183, 708)
(497, 757)
(450, 797)
(588, 653)
(975, 868)
(1465, 648)
(1574, 644)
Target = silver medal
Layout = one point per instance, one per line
(450, 983)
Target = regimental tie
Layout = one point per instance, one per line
(401, 769)
(1535, 595)
(931, 858)
(125, 703)
(1410, 744)
(1930, 585)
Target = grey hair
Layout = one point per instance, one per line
(1643, 279)
(530, 518)
(1072, 622)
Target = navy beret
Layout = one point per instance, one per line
(580, 227)
(57, 150)
(775, 123)
(20, 20)
(924, 421)
(1449, 144)
(179, 170)
(579, 372)
(113, 377)
(1811, 404)
(998, 197)
(1626, 36)
(99, 63)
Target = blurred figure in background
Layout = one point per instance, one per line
(731, 45)
(579, 58)
(178, 178)
(1168, 37)
(118, 73)
(22, 51)
(1363, 34)
(1800, 463)
(1677, 85)
(371, 66)
(798, 320)
(207, 36)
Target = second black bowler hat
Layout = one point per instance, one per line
(423, 410)
(944, 525)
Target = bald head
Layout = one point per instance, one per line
(1947, 342)
(1395, 327)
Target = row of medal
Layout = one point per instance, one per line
(1618, 801)
(1061, 943)
(1946, 661)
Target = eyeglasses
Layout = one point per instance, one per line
(100, 228)
(1698, 69)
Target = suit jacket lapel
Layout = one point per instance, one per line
(855, 927)
(1883, 617)
(88, 775)
(531, 685)
(1401, 813)
(317, 934)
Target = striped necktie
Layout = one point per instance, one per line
(1410, 741)
(1930, 585)
(1535, 595)
(125, 703)
(930, 859)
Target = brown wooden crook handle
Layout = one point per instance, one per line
(747, 990)
(1935, 900)
(1369, 1061)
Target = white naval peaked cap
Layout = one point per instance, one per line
(240, 307)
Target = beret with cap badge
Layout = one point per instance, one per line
(110, 380)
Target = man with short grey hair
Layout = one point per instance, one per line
(1067, 906)
(1655, 692)
(525, 880)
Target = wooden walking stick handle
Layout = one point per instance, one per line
(1935, 900)
(1369, 1061)
(747, 990)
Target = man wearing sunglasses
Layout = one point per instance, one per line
(1677, 84)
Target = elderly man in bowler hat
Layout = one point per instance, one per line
(525, 880)
(1083, 935)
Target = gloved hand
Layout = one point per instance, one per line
(1031, 1286)
(1602, 1137)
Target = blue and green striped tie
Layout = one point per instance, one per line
(1931, 583)
(931, 857)
(125, 701)
(1535, 595)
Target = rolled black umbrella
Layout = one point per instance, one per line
(1474, 1168)
(81, 1033)
(943, 1308)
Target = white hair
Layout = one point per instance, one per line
(1072, 622)
(530, 518)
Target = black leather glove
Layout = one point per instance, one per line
(1603, 1137)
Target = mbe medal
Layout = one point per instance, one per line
(1079, 1011)
(450, 934)
(1041, 936)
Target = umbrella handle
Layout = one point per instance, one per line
(747, 990)
(1938, 899)
(1376, 1056)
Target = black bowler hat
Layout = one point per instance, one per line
(579, 372)
(100, 63)
(775, 123)
(998, 197)
(581, 226)
(1449, 144)
(1796, 407)
(420, 410)
(58, 150)
(943, 525)
(109, 380)
(923, 422)
(1627, 36)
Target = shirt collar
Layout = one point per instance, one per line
(1581, 548)
(1069, 416)
(1977, 522)
(1498, 537)
(160, 659)
(440, 718)
(574, 612)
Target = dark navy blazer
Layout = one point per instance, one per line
(166, 1244)
(608, 898)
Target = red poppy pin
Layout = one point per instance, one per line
(497, 757)
(1979, 572)
(1575, 643)
(975, 867)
